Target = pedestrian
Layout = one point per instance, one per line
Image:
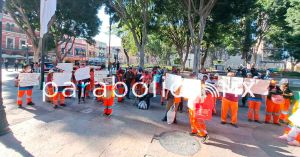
(121, 88)
(230, 101)
(6, 65)
(244, 98)
(287, 95)
(128, 77)
(273, 103)
(25, 90)
(16, 65)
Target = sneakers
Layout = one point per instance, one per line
(164, 119)
(55, 106)
(193, 134)
(20, 106)
(30, 104)
(294, 143)
(205, 139)
(250, 120)
(223, 123)
(257, 121)
(283, 137)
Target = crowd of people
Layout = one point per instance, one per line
(278, 102)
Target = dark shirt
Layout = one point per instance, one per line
(287, 91)
(274, 90)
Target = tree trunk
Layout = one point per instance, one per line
(127, 57)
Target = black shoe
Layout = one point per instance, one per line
(30, 104)
(281, 121)
(205, 139)
(193, 134)
(175, 121)
(223, 123)
(267, 122)
(128, 97)
(257, 121)
(162, 104)
(63, 105)
(20, 106)
(250, 120)
(234, 125)
(55, 106)
(164, 119)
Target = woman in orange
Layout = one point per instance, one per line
(25, 90)
(287, 95)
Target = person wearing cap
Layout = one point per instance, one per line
(254, 106)
(50, 90)
(287, 95)
(273, 103)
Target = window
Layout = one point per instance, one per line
(7, 28)
(10, 43)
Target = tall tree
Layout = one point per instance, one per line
(68, 24)
(136, 15)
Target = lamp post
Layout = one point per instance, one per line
(3, 121)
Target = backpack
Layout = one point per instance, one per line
(143, 105)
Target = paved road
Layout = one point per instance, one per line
(81, 130)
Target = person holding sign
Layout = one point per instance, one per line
(287, 95)
(25, 89)
(230, 101)
(50, 89)
(254, 106)
(120, 88)
(273, 102)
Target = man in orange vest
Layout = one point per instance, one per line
(27, 90)
(273, 106)
(50, 89)
(287, 95)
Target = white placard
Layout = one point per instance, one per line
(67, 67)
(295, 118)
(231, 85)
(100, 75)
(258, 86)
(29, 79)
(190, 88)
(82, 73)
(61, 78)
(173, 81)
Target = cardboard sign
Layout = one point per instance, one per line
(100, 75)
(295, 118)
(61, 78)
(29, 79)
(231, 85)
(66, 67)
(258, 86)
(173, 82)
(82, 73)
(191, 89)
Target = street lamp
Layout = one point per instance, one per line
(27, 51)
(3, 121)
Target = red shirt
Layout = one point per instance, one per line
(231, 97)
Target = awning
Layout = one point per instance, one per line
(13, 56)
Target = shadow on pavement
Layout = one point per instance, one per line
(11, 142)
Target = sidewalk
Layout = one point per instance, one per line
(81, 130)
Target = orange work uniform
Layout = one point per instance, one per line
(229, 102)
(272, 109)
(22, 91)
(254, 107)
(120, 88)
(108, 100)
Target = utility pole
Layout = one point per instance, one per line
(4, 129)
(109, 46)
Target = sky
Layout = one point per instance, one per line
(104, 30)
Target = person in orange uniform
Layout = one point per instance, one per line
(120, 88)
(287, 95)
(26, 89)
(230, 101)
(108, 100)
(198, 126)
(273, 102)
(50, 89)
(59, 97)
(91, 84)
(254, 104)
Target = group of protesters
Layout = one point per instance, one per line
(278, 101)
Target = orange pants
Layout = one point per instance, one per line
(50, 92)
(99, 92)
(254, 108)
(88, 89)
(21, 94)
(121, 91)
(285, 110)
(298, 138)
(108, 100)
(272, 110)
(197, 125)
(233, 106)
(57, 97)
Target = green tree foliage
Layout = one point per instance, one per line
(71, 20)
